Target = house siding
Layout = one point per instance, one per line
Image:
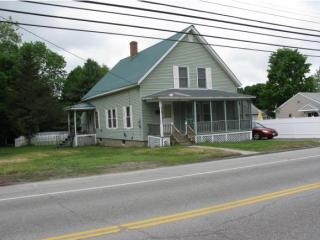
(292, 106)
(190, 55)
(119, 100)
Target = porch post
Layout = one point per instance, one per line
(211, 116)
(75, 128)
(238, 104)
(69, 130)
(195, 117)
(225, 115)
(161, 123)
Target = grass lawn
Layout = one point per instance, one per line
(266, 145)
(39, 163)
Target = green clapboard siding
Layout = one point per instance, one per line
(193, 56)
(118, 100)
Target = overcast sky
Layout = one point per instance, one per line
(250, 67)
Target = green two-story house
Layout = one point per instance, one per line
(176, 91)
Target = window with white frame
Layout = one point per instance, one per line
(127, 117)
(181, 77)
(111, 118)
(202, 78)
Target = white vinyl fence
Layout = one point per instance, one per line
(42, 138)
(308, 127)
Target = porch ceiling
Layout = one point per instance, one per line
(195, 94)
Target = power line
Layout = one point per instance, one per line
(171, 20)
(200, 17)
(297, 12)
(147, 37)
(46, 40)
(156, 29)
(225, 15)
(258, 11)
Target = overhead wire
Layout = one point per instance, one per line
(170, 20)
(153, 28)
(147, 37)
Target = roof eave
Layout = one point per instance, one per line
(163, 56)
(196, 98)
(109, 92)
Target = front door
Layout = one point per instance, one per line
(167, 113)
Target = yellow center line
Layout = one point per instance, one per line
(185, 215)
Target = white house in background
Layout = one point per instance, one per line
(303, 104)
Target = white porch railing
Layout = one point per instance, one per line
(224, 137)
(156, 141)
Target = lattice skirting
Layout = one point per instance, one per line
(155, 141)
(224, 137)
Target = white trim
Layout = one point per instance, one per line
(161, 119)
(209, 77)
(109, 92)
(175, 72)
(124, 117)
(205, 70)
(312, 108)
(112, 117)
(188, 75)
(193, 98)
(302, 93)
(98, 116)
(164, 55)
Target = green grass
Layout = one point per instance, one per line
(46, 162)
(266, 145)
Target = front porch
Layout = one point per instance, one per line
(208, 119)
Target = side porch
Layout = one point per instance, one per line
(82, 124)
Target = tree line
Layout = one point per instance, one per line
(35, 87)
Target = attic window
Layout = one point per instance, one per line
(190, 37)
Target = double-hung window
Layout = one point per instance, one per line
(127, 117)
(204, 76)
(202, 79)
(181, 77)
(97, 119)
(111, 118)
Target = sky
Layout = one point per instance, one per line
(250, 67)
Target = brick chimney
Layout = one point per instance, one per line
(133, 49)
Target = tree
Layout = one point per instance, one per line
(286, 76)
(36, 106)
(9, 48)
(316, 77)
(8, 33)
(255, 90)
(81, 79)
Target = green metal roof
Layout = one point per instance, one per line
(128, 71)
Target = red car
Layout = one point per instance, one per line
(259, 132)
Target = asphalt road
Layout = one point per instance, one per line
(274, 196)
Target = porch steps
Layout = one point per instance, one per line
(181, 140)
